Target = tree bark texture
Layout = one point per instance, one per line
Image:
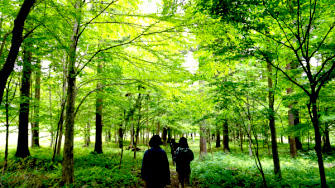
(35, 142)
(7, 129)
(249, 139)
(225, 137)
(164, 136)
(327, 147)
(68, 165)
(293, 145)
(218, 141)
(22, 144)
(203, 140)
(272, 126)
(241, 137)
(61, 118)
(98, 116)
(137, 131)
(17, 40)
(315, 121)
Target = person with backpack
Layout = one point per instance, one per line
(155, 165)
(183, 158)
(173, 146)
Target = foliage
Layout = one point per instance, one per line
(92, 170)
(238, 170)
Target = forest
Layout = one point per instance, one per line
(85, 84)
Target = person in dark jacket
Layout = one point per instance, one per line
(155, 165)
(183, 157)
(173, 146)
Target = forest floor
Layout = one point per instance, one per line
(174, 179)
(217, 169)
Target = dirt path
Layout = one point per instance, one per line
(174, 178)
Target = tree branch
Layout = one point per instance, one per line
(94, 90)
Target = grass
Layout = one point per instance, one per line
(91, 170)
(215, 170)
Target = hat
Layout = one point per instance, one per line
(183, 142)
(155, 141)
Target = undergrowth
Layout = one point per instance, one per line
(215, 170)
(239, 170)
(90, 170)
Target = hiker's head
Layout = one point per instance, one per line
(155, 141)
(183, 142)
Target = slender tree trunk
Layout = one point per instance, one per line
(327, 146)
(209, 136)
(249, 139)
(158, 128)
(203, 141)
(68, 165)
(272, 126)
(35, 126)
(249, 129)
(59, 131)
(50, 114)
(88, 130)
(241, 138)
(164, 136)
(132, 134)
(293, 146)
(22, 144)
(137, 126)
(7, 130)
(98, 116)
(315, 121)
(15, 44)
(61, 118)
(225, 137)
(218, 141)
(148, 129)
(121, 135)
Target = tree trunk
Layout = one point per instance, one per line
(88, 131)
(158, 128)
(15, 44)
(218, 141)
(225, 140)
(327, 147)
(272, 126)
(164, 136)
(50, 114)
(59, 134)
(61, 118)
(203, 141)
(121, 135)
(241, 138)
(22, 144)
(293, 117)
(98, 116)
(35, 125)
(68, 165)
(137, 125)
(293, 145)
(315, 121)
(249, 139)
(7, 129)
(132, 134)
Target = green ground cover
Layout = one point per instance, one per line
(215, 170)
